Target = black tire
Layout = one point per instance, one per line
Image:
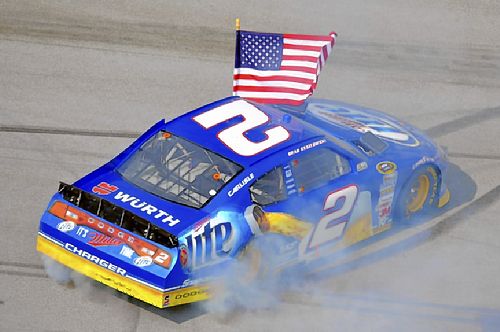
(257, 256)
(251, 263)
(418, 197)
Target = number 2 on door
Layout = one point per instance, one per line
(332, 225)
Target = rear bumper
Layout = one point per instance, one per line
(115, 277)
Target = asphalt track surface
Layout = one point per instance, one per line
(79, 81)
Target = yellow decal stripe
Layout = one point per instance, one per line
(443, 200)
(358, 230)
(121, 283)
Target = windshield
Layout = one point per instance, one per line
(178, 170)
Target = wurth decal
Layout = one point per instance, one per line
(151, 210)
(104, 188)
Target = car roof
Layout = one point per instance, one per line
(185, 126)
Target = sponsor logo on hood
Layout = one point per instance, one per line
(363, 122)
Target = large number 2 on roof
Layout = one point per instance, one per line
(233, 137)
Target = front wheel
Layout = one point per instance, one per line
(418, 195)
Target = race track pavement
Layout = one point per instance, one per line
(79, 82)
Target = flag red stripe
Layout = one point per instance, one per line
(302, 47)
(307, 37)
(272, 78)
(270, 89)
(301, 69)
(300, 58)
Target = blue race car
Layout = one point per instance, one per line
(189, 196)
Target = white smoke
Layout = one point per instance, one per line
(56, 271)
(69, 278)
(251, 283)
(243, 291)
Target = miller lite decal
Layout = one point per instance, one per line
(209, 242)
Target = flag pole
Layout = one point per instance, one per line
(237, 24)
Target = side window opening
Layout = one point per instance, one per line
(317, 168)
(269, 188)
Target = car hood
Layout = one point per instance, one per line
(111, 186)
(348, 122)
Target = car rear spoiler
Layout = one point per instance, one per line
(117, 215)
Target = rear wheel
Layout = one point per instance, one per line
(260, 252)
(419, 194)
(251, 263)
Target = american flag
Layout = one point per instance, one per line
(273, 68)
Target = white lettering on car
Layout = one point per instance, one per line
(99, 261)
(240, 185)
(147, 208)
(306, 147)
(234, 136)
(332, 225)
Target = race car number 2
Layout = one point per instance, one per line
(338, 205)
(234, 136)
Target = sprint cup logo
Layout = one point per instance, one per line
(386, 167)
(363, 122)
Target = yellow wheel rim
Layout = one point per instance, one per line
(418, 193)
